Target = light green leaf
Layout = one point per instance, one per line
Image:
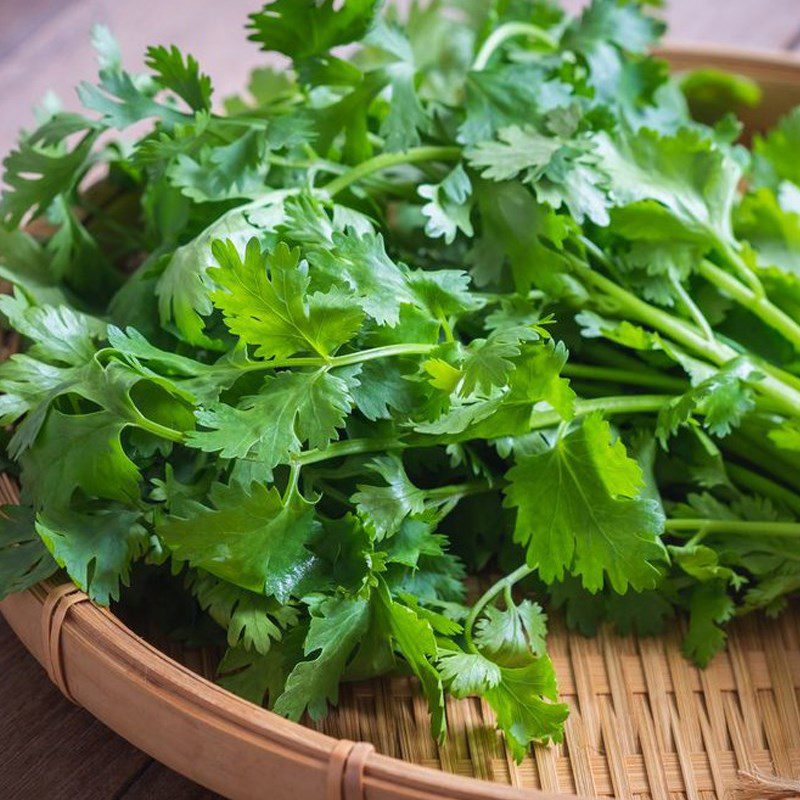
(522, 704)
(468, 674)
(709, 607)
(687, 173)
(579, 511)
(183, 77)
(383, 508)
(512, 635)
(304, 28)
(292, 407)
(449, 206)
(60, 333)
(360, 264)
(184, 287)
(264, 301)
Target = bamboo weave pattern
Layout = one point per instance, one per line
(645, 723)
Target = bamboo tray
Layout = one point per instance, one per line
(644, 723)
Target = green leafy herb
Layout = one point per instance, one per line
(487, 297)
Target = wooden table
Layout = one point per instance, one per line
(50, 749)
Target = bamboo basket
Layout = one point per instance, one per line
(644, 722)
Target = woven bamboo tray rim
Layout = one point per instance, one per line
(644, 722)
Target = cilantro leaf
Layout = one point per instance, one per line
(184, 287)
(413, 637)
(309, 425)
(291, 408)
(561, 168)
(448, 207)
(263, 301)
(308, 28)
(774, 151)
(622, 24)
(709, 607)
(691, 177)
(361, 263)
(79, 451)
(723, 398)
(96, 549)
(24, 559)
(252, 621)
(182, 77)
(385, 507)
(522, 704)
(333, 634)
(250, 538)
(578, 511)
(468, 673)
(60, 333)
(36, 174)
(510, 636)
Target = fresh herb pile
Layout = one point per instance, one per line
(486, 298)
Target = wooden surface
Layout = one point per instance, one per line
(50, 749)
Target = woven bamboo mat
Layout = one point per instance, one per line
(644, 722)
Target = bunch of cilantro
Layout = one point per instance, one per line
(483, 298)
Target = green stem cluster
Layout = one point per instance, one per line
(757, 303)
(775, 385)
(610, 406)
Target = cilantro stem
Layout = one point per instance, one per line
(157, 429)
(691, 307)
(786, 398)
(625, 376)
(291, 484)
(446, 328)
(748, 445)
(734, 526)
(386, 351)
(494, 297)
(739, 264)
(350, 447)
(758, 304)
(623, 404)
(459, 490)
(510, 31)
(764, 486)
(501, 586)
(415, 155)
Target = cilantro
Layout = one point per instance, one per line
(96, 549)
(262, 299)
(478, 294)
(24, 560)
(332, 635)
(181, 77)
(308, 28)
(263, 544)
(580, 510)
